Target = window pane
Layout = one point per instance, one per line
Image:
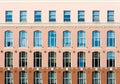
(37, 16)
(8, 16)
(66, 16)
(23, 16)
(51, 39)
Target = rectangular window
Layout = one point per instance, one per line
(52, 16)
(81, 16)
(95, 16)
(8, 16)
(37, 16)
(23, 16)
(66, 16)
(110, 16)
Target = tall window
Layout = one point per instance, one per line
(81, 77)
(22, 59)
(66, 59)
(66, 16)
(8, 16)
(95, 16)
(23, 39)
(95, 39)
(66, 38)
(95, 77)
(37, 77)
(110, 77)
(110, 15)
(52, 59)
(37, 59)
(23, 16)
(110, 59)
(8, 77)
(52, 77)
(81, 16)
(95, 59)
(52, 16)
(111, 38)
(8, 39)
(37, 39)
(52, 39)
(23, 77)
(8, 59)
(37, 16)
(81, 59)
(67, 77)
(81, 39)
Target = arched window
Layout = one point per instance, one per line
(37, 59)
(23, 77)
(66, 38)
(95, 39)
(110, 59)
(81, 77)
(8, 59)
(37, 39)
(8, 39)
(37, 77)
(66, 59)
(111, 38)
(81, 39)
(52, 77)
(81, 59)
(8, 77)
(52, 59)
(23, 39)
(95, 59)
(22, 59)
(96, 77)
(67, 77)
(52, 39)
(110, 77)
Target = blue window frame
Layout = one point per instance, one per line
(23, 16)
(110, 38)
(66, 38)
(37, 16)
(110, 16)
(23, 39)
(81, 59)
(67, 16)
(37, 38)
(110, 59)
(95, 38)
(52, 39)
(81, 39)
(95, 16)
(8, 16)
(81, 16)
(52, 16)
(8, 39)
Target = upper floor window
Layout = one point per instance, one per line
(67, 77)
(8, 16)
(96, 59)
(67, 16)
(37, 77)
(81, 59)
(96, 77)
(81, 39)
(110, 59)
(52, 39)
(37, 38)
(8, 59)
(95, 16)
(81, 16)
(37, 16)
(52, 16)
(37, 59)
(52, 59)
(111, 78)
(22, 59)
(110, 38)
(23, 39)
(52, 77)
(23, 16)
(23, 77)
(110, 15)
(8, 77)
(95, 39)
(66, 38)
(8, 39)
(66, 59)
(81, 77)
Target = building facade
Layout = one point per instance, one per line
(59, 43)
